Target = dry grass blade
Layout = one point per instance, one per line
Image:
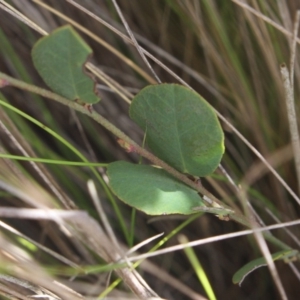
(271, 265)
(293, 124)
(265, 18)
(93, 236)
(11, 10)
(9, 131)
(21, 266)
(130, 33)
(294, 48)
(214, 239)
(40, 246)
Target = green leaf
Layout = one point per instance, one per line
(60, 58)
(241, 274)
(151, 190)
(181, 127)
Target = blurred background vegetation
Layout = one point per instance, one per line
(224, 51)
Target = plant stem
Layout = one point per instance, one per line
(114, 130)
(138, 149)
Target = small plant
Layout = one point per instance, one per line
(181, 128)
(182, 132)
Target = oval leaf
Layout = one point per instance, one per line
(151, 190)
(241, 274)
(59, 58)
(181, 127)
